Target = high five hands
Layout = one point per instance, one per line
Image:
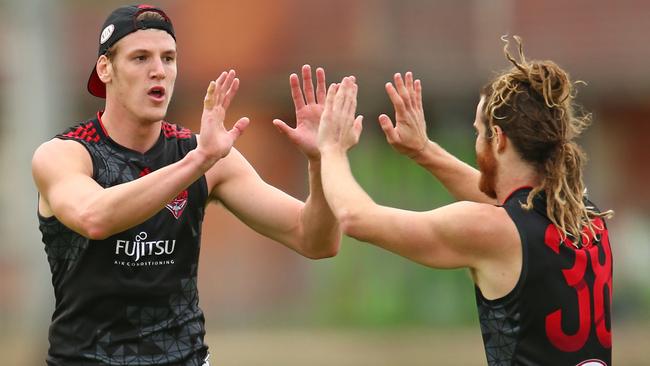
(215, 141)
(309, 108)
(409, 135)
(323, 118)
(339, 129)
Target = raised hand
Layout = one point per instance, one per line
(338, 127)
(215, 141)
(309, 108)
(409, 135)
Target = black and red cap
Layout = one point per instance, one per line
(120, 23)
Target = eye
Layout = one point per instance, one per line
(169, 59)
(140, 58)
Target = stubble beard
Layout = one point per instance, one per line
(487, 165)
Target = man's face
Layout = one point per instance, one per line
(143, 74)
(487, 163)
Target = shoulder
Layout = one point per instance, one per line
(477, 217)
(86, 131)
(59, 154)
(483, 229)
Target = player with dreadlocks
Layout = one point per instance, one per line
(538, 251)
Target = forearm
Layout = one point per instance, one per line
(120, 207)
(349, 202)
(459, 178)
(320, 230)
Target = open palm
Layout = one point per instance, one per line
(409, 134)
(214, 141)
(309, 108)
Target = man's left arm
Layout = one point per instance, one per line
(310, 228)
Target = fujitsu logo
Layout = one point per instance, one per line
(140, 247)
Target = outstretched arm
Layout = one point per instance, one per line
(309, 228)
(446, 237)
(318, 224)
(409, 137)
(63, 169)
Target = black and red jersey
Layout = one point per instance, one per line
(559, 312)
(130, 299)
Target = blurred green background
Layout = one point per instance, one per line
(264, 304)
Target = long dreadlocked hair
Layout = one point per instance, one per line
(533, 103)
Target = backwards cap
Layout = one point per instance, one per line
(120, 23)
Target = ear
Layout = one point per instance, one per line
(104, 68)
(500, 139)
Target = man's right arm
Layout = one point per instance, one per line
(409, 137)
(62, 172)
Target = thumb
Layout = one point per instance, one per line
(283, 127)
(358, 125)
(387, 126)
(238, 128)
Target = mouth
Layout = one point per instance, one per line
(157, 93)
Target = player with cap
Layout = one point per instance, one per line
(122, 198)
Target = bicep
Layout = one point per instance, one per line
(264, 208)
(62, 172)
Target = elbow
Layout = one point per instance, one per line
(330, 252)
(93, 226)
(325, 251)
(96, 233)
(351, 224)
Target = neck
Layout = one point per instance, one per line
(514, 175)
(128, 130)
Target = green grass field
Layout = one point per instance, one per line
(406, 347)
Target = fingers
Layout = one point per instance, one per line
(238, 128)
(208, 101)
(405, 93)
(387, 126)
(221, 91)
(308, 85)
(418, 93)
(401, 89)
(395, 98)
(408, 77)
(306, 95)
(223, 85)
(331, 95)
(410, 88)
(414, 89)
(230, 94)
(342, 95)
(296, 93)
(349, 97)
(211, 97)
(320, 85)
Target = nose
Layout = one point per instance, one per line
(157, 69)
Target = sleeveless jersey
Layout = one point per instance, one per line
(130, 299)
(559, 312)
